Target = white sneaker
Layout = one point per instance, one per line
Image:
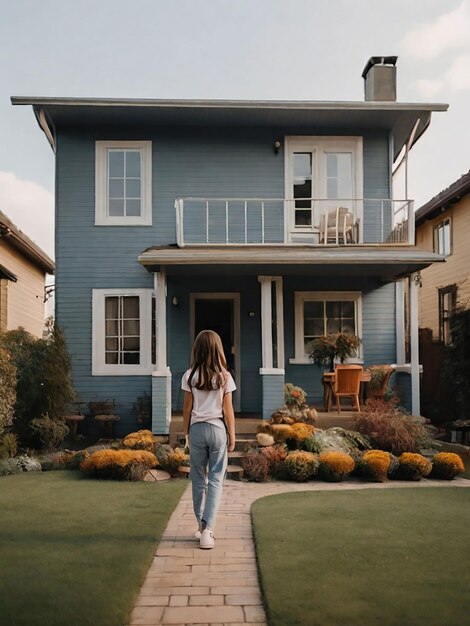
(207, 539)
(198, 534)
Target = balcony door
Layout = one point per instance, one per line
(321, 173)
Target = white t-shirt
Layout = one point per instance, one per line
(207, 405)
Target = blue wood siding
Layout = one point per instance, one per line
(186, 162)
(377, 222)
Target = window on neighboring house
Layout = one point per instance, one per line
(123, 183)
(447, 304)
(322, 313)
(122, 331)
(442, 238)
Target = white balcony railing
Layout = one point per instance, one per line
(270, 221)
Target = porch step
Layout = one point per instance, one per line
(235, 472)
(236, 457)
(243, 442)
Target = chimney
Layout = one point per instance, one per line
(380, 79)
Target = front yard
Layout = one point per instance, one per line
(365, 557)
(74, 550)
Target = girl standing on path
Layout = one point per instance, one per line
(208, 388)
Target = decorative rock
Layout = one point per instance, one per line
(155, 476)
(264, 439)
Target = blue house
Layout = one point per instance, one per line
(270, 222)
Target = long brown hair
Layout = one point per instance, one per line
(208, 359)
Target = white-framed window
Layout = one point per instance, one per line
(443, 237)
(123, 183)
(320, 313)
(122, 332)
(321, 173)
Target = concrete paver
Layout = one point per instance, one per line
(186, 585)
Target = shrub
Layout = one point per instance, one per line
(18, 464)
(339, 439)
(294, 396)
(7, 390)
(173, 460)
(256, 467)
(456, 366)
(389, 428)
(8, 445)
(263, 439)
(300, 466)
(161, 452)
(281, 432)
(43, 379)
(412, 467)
(57, 373)
(335, 466)
(299, 433)
(276, 456)
(291, 414)
(282, 416)
(446, 465)
(142, 409)
(119, 464)
(51, 432)
(375, 464)
(140, 440)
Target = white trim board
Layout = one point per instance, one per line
(99, 367)
(101, 188)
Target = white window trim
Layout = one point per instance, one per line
(315, 143)
(99, 367)
(441, 222)
(101, 175)
(302, 296)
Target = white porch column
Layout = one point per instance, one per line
(414, 343)
(160, 318)
(161, 377)
(272, 377)
(266, 322)
(279, 322)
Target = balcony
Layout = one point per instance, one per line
(300, 221)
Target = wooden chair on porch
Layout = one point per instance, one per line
(337, 226)
(347, 384)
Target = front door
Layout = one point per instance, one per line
(221, 313)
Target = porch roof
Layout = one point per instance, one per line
(398, 118)
(369, 260)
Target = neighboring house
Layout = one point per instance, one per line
(443, 226)
(270, 222)
(23, 268)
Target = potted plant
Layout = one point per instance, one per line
(325, 350)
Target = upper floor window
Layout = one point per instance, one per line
(123, 334)
(447, 304)
(322, 313)
(123, 183)
(442, 237)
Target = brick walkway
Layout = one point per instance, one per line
(186, 585)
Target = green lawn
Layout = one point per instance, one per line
(74, 551)
(394, 557)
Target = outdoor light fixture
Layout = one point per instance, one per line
(277, 146)
(174, 301)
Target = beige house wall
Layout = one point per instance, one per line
(455, 270)
(25, 297)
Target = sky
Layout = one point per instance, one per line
(225, 49)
